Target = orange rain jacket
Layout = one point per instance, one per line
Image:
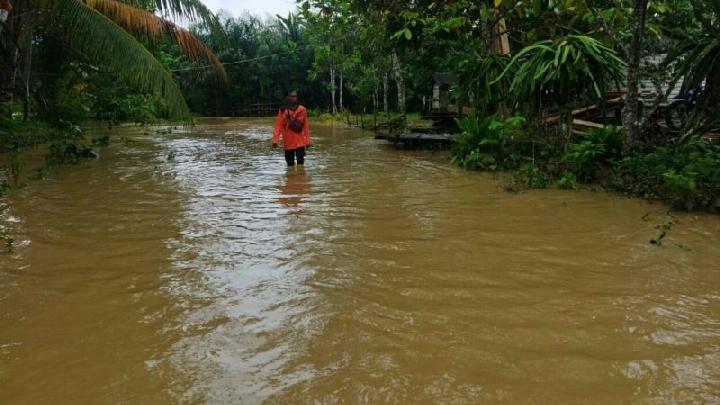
(291, 139)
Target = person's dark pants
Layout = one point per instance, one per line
(291, 154)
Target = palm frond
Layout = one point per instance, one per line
(484, 77)
(193, 10)
(197, 51)
(698, 66)
(133, 19)
(143, 22)
(568, 67)
(104, 42)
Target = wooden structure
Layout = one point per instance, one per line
(440, 101)
(417, 139)
(592, 116)
(442, 109)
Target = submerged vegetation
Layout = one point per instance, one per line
(685, 175)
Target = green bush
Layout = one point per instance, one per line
(313, 112)
(15, 133)
(594, 151)
(532, 176)
(139, 108)
(568, 181)
(488, 143)
(686, 176)
(70, 103)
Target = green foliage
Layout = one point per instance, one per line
(65, 145)
(138, 108)
(264, 59)
(70, 102)
(593, 151)
(568, 181)
(477, 74)
(561, 69)
(7, 240)
(113, 38)
(696, 55)
(686, 176)
(488, 144)
(16, 134)
(397, 123)
(532, 176)
(101, 40)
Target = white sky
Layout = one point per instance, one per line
(260, 8)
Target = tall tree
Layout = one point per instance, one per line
(631, 112)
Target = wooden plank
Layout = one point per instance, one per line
(588, 124)
(415, 136)
(556, 117)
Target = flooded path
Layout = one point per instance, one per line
(195, 268)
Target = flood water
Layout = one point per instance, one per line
(195, 268)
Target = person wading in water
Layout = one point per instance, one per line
(292, 124)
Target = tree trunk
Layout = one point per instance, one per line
(399, 81)
(11, 58)
(375, 98)
(27, 67)
(8, 70)
(631, 111)
(342, 107)
(385, 93)
(500, 46)
(332, 89)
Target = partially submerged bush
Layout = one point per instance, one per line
(686, 176)
(532, 176)
(568, 181)
(593, 151)
(489, 143)
(17, 134)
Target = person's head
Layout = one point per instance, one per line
(292, 97)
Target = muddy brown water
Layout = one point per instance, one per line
(195, 268)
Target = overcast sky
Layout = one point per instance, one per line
(257, 7)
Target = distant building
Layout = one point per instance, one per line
(441, 91)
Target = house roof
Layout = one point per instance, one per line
(444, 78)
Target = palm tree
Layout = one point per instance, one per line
(111, 33)
(291, 25)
